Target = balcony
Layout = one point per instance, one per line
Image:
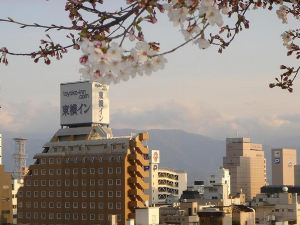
(138, 182)
(139, 158)
(138, 170)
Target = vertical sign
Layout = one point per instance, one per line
(84, 103)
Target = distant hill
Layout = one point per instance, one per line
(197, 154)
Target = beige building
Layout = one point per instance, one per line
(247, 166)
(283, 162)
(6, 210)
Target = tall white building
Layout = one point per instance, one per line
(221, 177)
(164, 182)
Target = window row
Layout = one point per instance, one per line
(100, 159)
(51, 194)
(67, 205)
(66, 216)
(75, 171)
(73, 182)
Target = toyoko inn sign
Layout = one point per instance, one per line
(84, 103)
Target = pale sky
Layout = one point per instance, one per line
(199, 91)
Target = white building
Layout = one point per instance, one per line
(16, 184)
(164, 182)
(221, 177)
(147, 216)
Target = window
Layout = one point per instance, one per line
(51, 194)
(110, 194)
(28, 215)
(75, 171)
(58, 183)
(84, 205)
(28, 205)
(100, 182)
(75, 216)
(43, 194)
(92, 216)
(20, 194)
(110, 170)
(58, 161)
(20, 215)
(75, 205)
(43, 172)
(58, 216)
(83, 193)
(92, 205)
(51, 205)
(92, 182)
(35, 172)
(51, 216)
(43, 215)
(67, 171)
(110, 205)
(118, 194)
(92, 194)
(51, 172)
(100, 170)
(101, 217)
(35, 215)
(58, 171)
(75, 182)
(43, 204)
(118, 205)
(83, 171)
(118, 181)
(100, 194)
(35, 194)
(28, 182)
(75, 193)
(83, 216)
(43, 182)
(67, 183)
(58, 205)
(51, 183)
(58, 193)
(110, 182)
(83, 182)
(43, 161)
(118, 170)
(67, 205)
(35, 205)
(100, 205)
(92, 170)
(67, 194)
(67, 216)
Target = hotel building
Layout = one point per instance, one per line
(247, 166)
(84, 175)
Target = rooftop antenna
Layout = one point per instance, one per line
(19, 158)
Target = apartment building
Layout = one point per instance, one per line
(247, 166)
(84, 175)
(164, 183)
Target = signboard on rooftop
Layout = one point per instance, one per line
(84, 103)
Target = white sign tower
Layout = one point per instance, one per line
(84, 103)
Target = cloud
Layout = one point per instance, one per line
(30, 117)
